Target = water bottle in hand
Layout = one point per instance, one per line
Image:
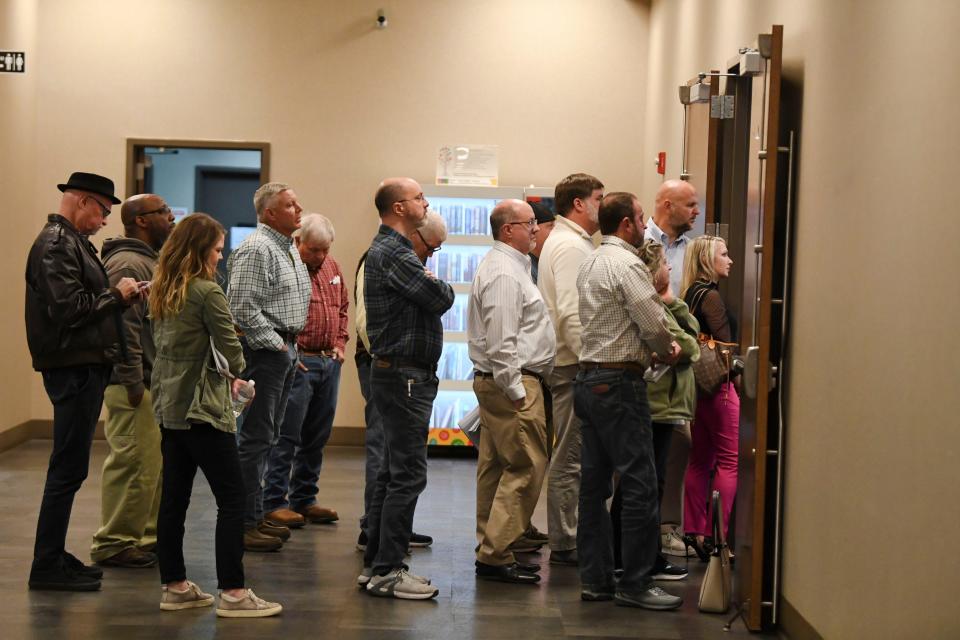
(244, 396)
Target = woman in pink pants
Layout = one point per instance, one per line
(716, 424)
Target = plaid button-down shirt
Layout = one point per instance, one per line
(269, 288)
(403, 303)
(326, 326)
(620, 311)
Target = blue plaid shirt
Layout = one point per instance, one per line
(403, 303)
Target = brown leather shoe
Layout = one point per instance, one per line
(130, 558)
(285, 518)
(319, 515)
(253, 540)
(277, 531)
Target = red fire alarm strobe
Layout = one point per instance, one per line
(662, 163)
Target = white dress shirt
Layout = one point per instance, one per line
(567, 246)
(508, 328)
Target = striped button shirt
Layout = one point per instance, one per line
(508, 327)
(269, 288)
(620, 311)
(403, 303)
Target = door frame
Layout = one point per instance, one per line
(136, 157)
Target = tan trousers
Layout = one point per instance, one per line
(563, 478)
(130, 489)
(510, 467)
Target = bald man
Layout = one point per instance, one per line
(130, 488)
(426, 241)
(512, 344)
(404, 304)
(676, 209)
(675, 212)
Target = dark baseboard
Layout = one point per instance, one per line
(15, 435)
(793, 625)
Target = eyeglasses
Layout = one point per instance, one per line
(164, 210)
(531, 223)
(427, 244)
(104, 209)
(418, 198)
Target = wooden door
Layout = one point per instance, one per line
(753, 235)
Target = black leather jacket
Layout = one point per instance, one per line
(73, 315)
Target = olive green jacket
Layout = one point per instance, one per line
(186, 386)
(674, 396)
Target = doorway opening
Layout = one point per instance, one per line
(215, 177)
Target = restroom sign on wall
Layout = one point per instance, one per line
(13, 62)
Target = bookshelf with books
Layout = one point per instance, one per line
(466, 210)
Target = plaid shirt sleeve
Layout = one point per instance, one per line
(409, 279)
(248, 285)
(643, 305)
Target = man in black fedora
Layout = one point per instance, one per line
(74, 332)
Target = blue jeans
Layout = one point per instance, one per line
(77, 396)
(259, 427)
(404, 397)
(293, 466)
(612, 404)
(373, 438)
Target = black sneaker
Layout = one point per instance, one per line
(669, 572)
(61, 577)
(419, 540)
(596, 593)
(74, 563)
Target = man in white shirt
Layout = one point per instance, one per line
(676, 210)
(512, 345)
(577, 200)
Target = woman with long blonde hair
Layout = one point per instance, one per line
(715, 430)
(193, 404)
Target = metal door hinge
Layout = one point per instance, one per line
(721, 107)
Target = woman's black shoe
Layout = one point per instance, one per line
(692, 543)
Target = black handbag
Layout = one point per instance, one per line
(717, 586)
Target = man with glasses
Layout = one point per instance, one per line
(426, 241)
(73, 318)
(403, 305)
(130, 488)
(512, 345)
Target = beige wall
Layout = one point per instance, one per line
(873, 445)
(18, 180)
(342, 104)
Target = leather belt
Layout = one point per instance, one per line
(635, 367)
(326, 353)
(526, 372)
(386, 363)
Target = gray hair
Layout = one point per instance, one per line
(315, 227)
(435, 227)
(264, 196)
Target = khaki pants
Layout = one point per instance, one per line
(671, 507)
(131, 476)
(510, 467)
(563, 478)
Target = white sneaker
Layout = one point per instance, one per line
(190, 598)
(248, 606)
(400, 584)
(367, 572)
(673, 544)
